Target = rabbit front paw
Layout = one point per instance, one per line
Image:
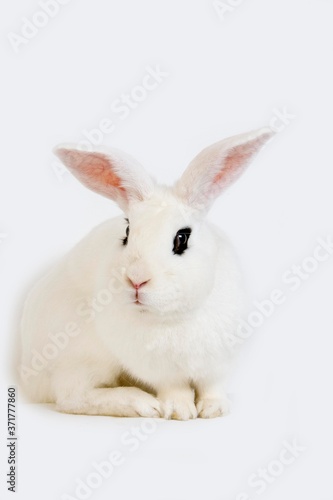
(213, 407)
(178, 405)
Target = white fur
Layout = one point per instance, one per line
(174, 344)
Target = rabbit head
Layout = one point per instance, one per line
(167, 251)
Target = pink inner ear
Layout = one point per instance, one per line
(93, 169)
(234, 163)
(99, 168)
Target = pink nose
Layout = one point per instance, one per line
(137, 285)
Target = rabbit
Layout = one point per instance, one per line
(134, 321)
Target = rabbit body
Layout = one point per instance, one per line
(151, 299)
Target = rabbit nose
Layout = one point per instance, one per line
(137, 285)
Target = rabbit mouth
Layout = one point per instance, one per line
(137, 300)
(139, 304)
(140, 307)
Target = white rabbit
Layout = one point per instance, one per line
(150, 298)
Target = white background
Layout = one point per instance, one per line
(226, 75)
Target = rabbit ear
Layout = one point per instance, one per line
(218, 166)
(115, 174)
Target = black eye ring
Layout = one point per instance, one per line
(181, 240)
(125, 240)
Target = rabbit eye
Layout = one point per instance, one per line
(125, 240)
(181, 240)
